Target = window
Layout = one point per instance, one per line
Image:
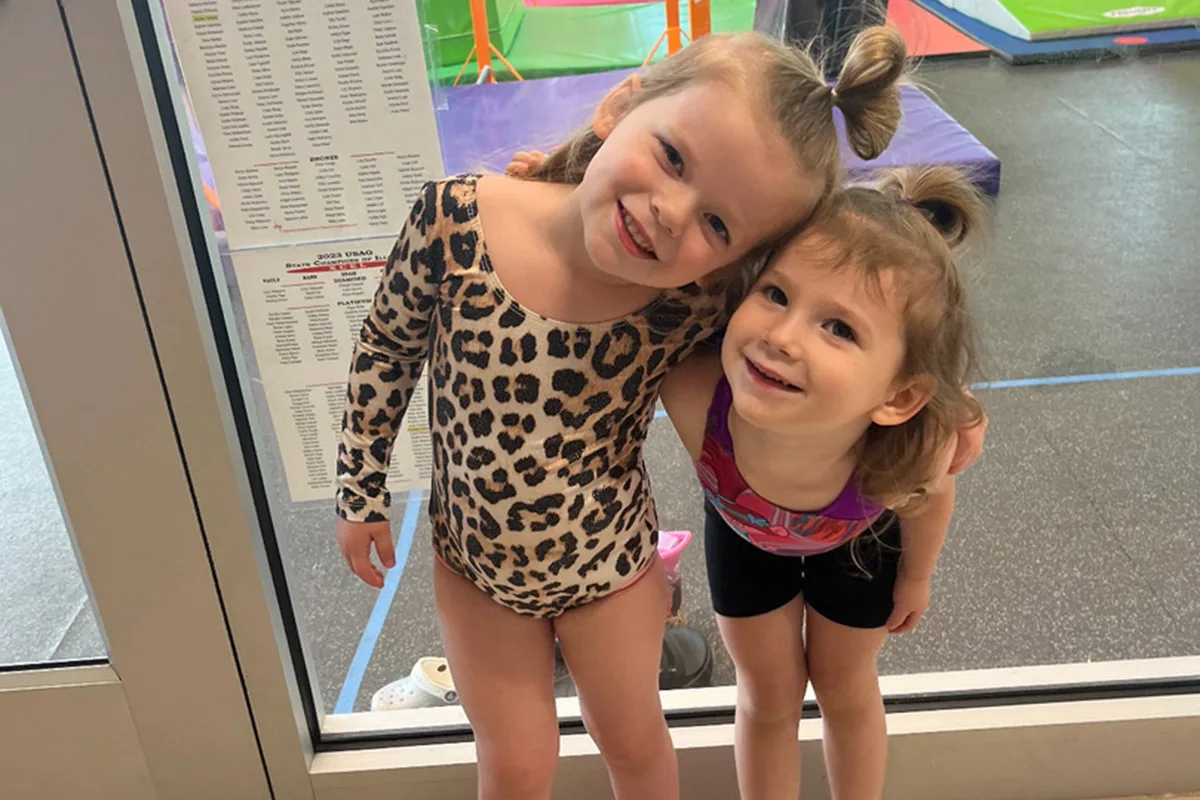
(1071, 542)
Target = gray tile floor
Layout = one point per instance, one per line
(1074, 538)
(44, 611)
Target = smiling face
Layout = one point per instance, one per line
(685, 184)
(814, 348)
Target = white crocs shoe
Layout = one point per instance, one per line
(429, 684)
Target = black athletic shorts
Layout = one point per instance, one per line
(745, 581)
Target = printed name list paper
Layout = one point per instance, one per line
(316, 114)
(304, 308)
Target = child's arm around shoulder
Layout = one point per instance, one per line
(923, 534)
(686, 394)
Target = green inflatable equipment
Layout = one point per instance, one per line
(452, 21)
(551, 41)
(1035, 20)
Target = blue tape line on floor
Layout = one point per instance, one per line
(383, 604)
(1093, 378)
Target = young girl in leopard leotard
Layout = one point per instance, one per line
(546, 312)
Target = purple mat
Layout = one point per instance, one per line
(483, 126)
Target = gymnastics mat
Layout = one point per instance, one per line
(927, 36)
(573, 40)
(1018, 51)
(482, 126)
(1034, 20)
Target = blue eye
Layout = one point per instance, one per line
(841, 330)
(718, 226)
(673, 157)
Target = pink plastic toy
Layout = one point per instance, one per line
(670, 548)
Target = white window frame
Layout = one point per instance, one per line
(163, 714)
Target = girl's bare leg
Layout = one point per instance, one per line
(768, 651)
(613, 647)
(503, 668)
(841, 666)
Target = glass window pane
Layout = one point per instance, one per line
(1071, 538)
(46, 615)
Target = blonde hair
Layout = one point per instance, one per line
(791, 89)
(910, 224)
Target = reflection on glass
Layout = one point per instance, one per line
(45, 612)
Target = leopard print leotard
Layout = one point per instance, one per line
(539, 496)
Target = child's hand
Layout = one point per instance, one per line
(354, 540)
(524, 163)
(969, 446)
(911, 598)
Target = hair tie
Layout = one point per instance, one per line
(824, 93)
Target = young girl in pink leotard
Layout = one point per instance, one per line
(824, 435)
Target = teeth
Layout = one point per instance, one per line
(773, 378)
(634, 233)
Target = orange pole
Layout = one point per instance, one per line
(483, 45)
(657, 42)
(463, 68)
(674, 42)
(211, 197)
(504, 61)
(699, 19)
